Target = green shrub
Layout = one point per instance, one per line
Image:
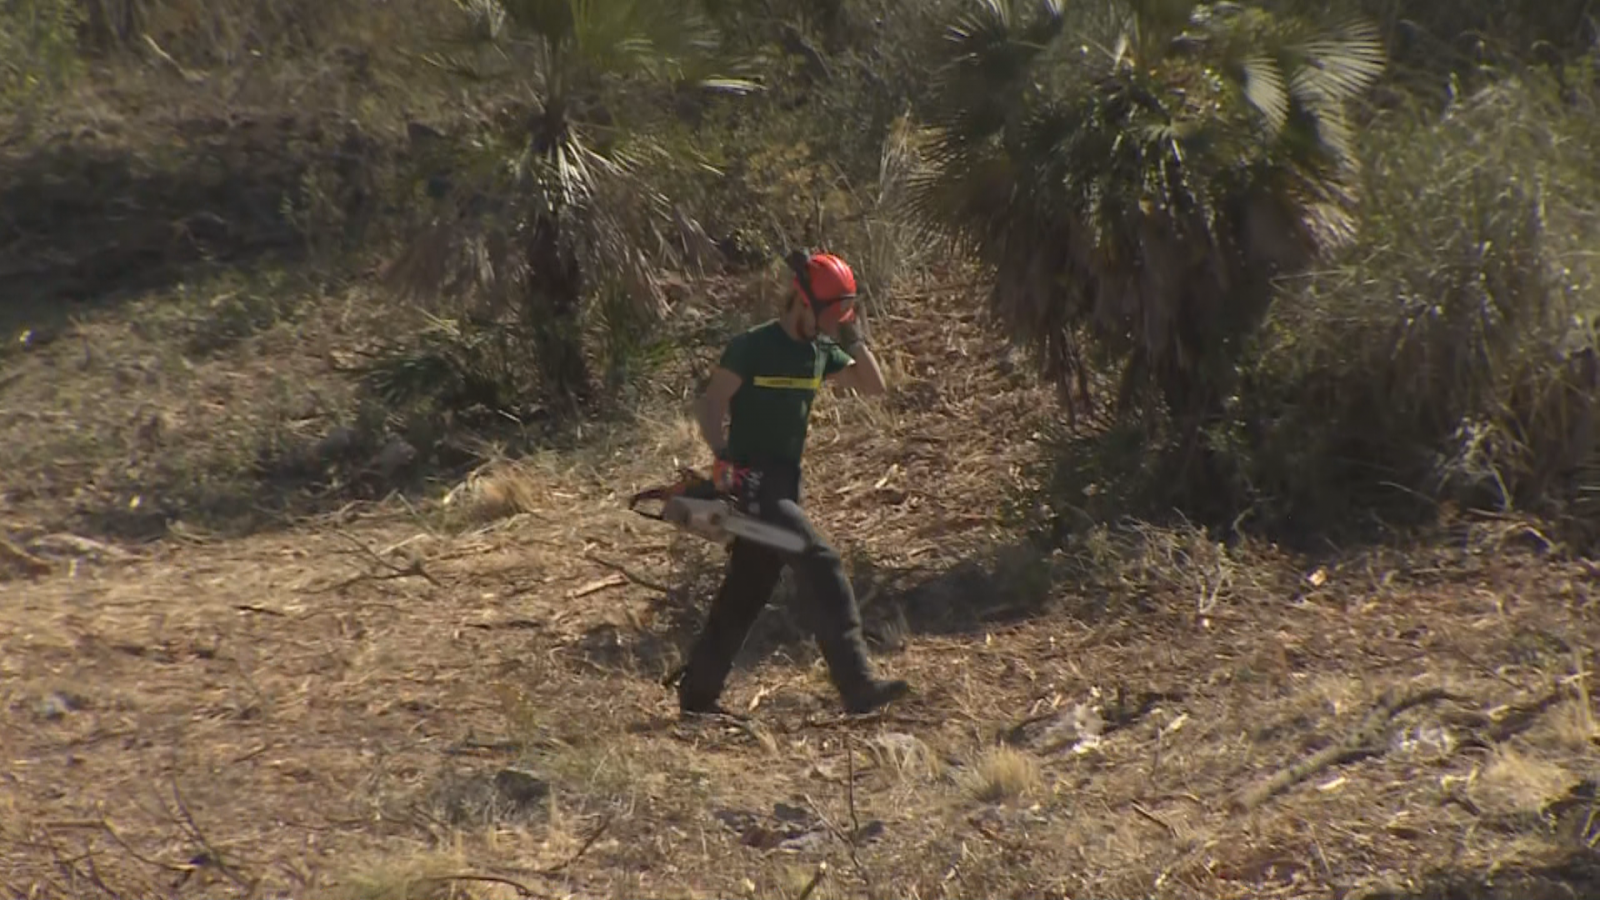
(1448, 354)
(1444, 359)
(38, 51)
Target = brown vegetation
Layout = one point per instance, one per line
(306, 591)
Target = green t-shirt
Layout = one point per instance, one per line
(769, 414)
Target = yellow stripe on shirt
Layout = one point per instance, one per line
(779, 381)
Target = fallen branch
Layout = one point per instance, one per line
(415, 569)
(531, 624)
(627, 573)
(595, 587)
(521, 889)
(1511, 721)
(31, 565)
(849, 840)
(211, 856)
(587, 843)
(1367, 739)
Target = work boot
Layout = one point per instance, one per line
(690, 704)
(872, 694)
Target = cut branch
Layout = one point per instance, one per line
(587, 843)
(1365, 740)
(628, 573)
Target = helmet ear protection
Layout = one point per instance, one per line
(834, 310)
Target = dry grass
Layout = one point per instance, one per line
(1003, 774)
(461, 697)
(329, 711)
(115, 428)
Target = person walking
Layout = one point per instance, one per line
(754, 415)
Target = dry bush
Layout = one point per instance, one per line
(497, 490)
(1445, 358)
(1449, 354)
(1518, 784)
(1178, 568)
(413, 876)
(1003, 773)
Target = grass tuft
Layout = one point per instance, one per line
(1002, 774)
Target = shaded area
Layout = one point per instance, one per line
(998, 586)
(87, 221)
(1578, 876)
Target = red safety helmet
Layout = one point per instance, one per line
(828, 284)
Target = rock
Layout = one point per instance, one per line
(335, 445)
(869, 832)
(519, 788)
(492, 797)
(395, 455)
(56, 704)
(792, 829)
(783, 812)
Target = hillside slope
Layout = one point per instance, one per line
(414, 699)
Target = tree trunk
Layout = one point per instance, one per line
(1196, 400)
(553, 312)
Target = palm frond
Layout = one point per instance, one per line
(1338, 63)
(1131, 198)
(1264, 87)
(991, 43)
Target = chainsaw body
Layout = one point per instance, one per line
(693, 505)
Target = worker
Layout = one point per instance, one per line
(754, 415)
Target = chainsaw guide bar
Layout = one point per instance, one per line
(692, 505)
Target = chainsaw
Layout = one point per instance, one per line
(692, 504)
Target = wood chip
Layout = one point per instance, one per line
(594, 587)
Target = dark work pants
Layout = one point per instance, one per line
(827, 603)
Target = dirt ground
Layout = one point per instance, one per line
(466, 699)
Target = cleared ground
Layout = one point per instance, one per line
(407, 700)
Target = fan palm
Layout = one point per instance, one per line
(564, 211)
(1135, 172)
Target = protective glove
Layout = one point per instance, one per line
(740, 484)
(728, 478)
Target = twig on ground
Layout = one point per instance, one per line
(1363, 741)
(816, 879)
(587, 843)
(1149, 816)
(850, 785)
(415, 569)
(849, 840)
(532, 624)
(595, 587)
(521, 889)
(111, 831)
(627, 573)
(211, 856)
